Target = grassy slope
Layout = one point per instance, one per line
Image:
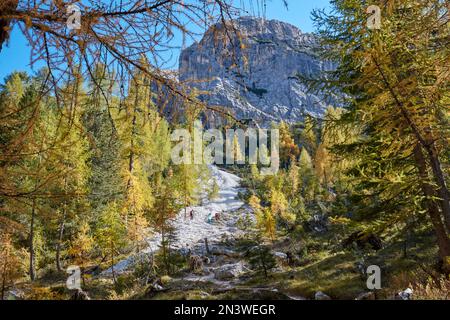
(336, 273)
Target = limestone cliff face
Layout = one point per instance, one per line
(255, 71)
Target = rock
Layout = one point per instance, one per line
(262, 86)
(361, 268)
(292, 258)
(229, 271)
(80, 295)
(366, 296)
(253, 294)
(281, 258)
(298, 298)
(154, 288)
(363, 240)
(219, 251)
(280, 255)
(321, 296)
(405, 295)
(185, 251)
(206, 260)
(15, 294)
(319, 223)
(158, 283)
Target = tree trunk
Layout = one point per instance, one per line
(60, 238)
(112, 262)
(5, 266)
(264, 267)
(136, 235)
(131, 155)
(31, 244)
(440, 180)
(185, 192)
(207, 246)
(164, 250)
(61, 232)
(429, 145)
(433, 209)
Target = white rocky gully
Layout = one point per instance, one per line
(208, 146)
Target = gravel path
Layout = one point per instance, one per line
(191, 233)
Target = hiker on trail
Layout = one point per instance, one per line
(217, 216)
(210, 217)
(191, 214)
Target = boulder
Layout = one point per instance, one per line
(280, 255)
(253, 294)
(366, 296)
(219, 251)
(319, 223)
(321, 296)
(363, 240)
(80, 295)
(292, 258)
(15, 294)
(405, 295)
(278, 269)
(229, 271)
(154, 288)
(281, 258)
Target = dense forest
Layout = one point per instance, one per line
(87, 178)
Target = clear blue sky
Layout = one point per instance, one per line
(17, 55)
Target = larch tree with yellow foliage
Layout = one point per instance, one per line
(393, 82)
(12, 263)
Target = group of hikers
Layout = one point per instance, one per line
(216, 217)
(211, 216)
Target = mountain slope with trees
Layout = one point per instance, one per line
(86, 176)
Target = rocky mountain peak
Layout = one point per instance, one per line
(254, 70)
